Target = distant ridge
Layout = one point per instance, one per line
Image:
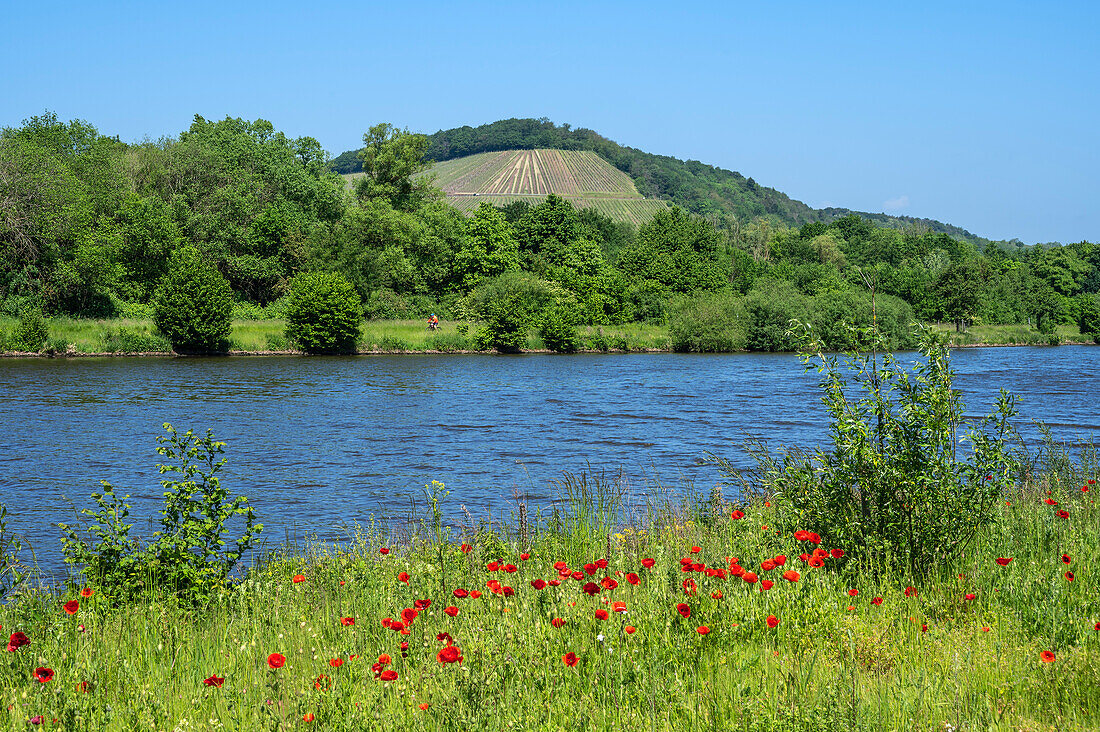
(702, 189)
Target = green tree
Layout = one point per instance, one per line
(959, 291)
(488, 249)
(508, 306)
(193, 307)
(323, 313)
(391, 157)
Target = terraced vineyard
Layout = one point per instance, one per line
(582, 178)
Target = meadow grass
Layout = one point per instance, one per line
(961, 651)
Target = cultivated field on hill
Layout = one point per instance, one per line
(583, 178)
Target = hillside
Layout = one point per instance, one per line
(697, 187)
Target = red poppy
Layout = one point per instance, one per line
(695, 550)
(424, 706)
(816, 562)
(493, 566)
(1051, 502)
(970, 596)
(767, 565)
(388, 675)
(923, 628)
(1046, 657)
(465, 548)
(601, 564)
(578, 575)
(422, 604)
(820, 553)
(43, 674)
(690, 587)
(601, 614)
(1003, 561)
(525, 556)
(409, 615)
(555, 582)
(403, 577)
(702, 630)
(213, 680)
(18, 640)
(590, 568)
(780, 560)
(853, 592)
(475, 594)
(460, 593)
(87, 592)
(276, 660)
(684, 610)
(630, 629)
(298, 578)
(1062, 514)
(1084, 489)
(450, 654)
(1068, 576)
(876, 600)
(717, 594)
(384, 659)
(308, 717)
(804, 557)
(801, 535)
(1066, 559)
(766, 585)
(910, 591)
(1097, 626)
(772, 621)
(749, 577)
(985, 630)
(71, 607)
(632, 578)
(570, 659)
(510, 568)
(837, 553)
(557, 622)
(608, 583)
(336, 662)
(648, 563)
(737, 515)
(791, 576)
(383, 550)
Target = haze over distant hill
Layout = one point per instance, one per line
(702, 189)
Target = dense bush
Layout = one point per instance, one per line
(770, 308)
(1088, 318)
(31, 332)
(187, 557)
(843, 320)
(193, 306)
(558, 329)
(323, 313)
(507, 307)
(708, 324)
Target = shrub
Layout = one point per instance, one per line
(708, 324)
(893, 490)
(193, 306)
(31, 331)
(187, 556)
(770, 309)
(507, 306)
(1088, 318)
(323, 313)
(558, 329)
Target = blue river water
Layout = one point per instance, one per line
(321, 443)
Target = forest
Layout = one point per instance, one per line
(90, 226)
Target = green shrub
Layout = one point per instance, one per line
(323, 313)
(193, 307)
(770, 308)
(597, 342)
(558, 329)
(1088, 318)
(507, 306)
(187, 557)
(708, 324)
(893, 490)
(31, 331)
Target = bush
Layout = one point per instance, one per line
(893, 490)
(323, 313)
(770, 309)
(1088, 318)
(186, 558)
(708, 324)
(31, 331)
(193, 307)
(558, 329)
(507, 306)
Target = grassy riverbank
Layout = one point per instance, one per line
(965, 650)
(82, 336)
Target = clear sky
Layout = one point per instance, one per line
(981, 114)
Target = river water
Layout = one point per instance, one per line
(320, 443)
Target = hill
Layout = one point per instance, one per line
(697, 187)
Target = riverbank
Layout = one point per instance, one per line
(525, 625)
(137, 337)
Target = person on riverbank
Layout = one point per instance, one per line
(433, 322)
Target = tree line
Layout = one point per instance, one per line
(90, 227)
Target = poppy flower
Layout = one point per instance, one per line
(474, 594)
(1046, 657)
(601, 614)
(276, 660)
(801, 535)
(791, 576)
(308, 717)
(388, 675)
(460, 593)
(910, 591)
(837, 553)
(1062, 514)
(557, 622)
(749, 577)
(403, 577)
(766, 585)
(570, 659)
(214, 680)
(525, 556)
(780, 560)
(409, 615)
(853, 592)
(510, 568)
(970, 596)
(1066, 559)
(619, 606)
(601, 564)
(323, 682)
(384, 550)
(385, 659)
(424, 706)
(578, 575)
(1084, 489)
(1051, 502)
(590, 569)
(336, 662)
(648, 563)
(347, 621)
(83, 686)
(18, 640)
(630, 629)
(465, 548)
(450, 654)
(590, 588)
(298, 578)
(772, 621)
(717, 594)
(422, 604)
(1068, 576)
(737, 515)
(690, 587)
(695, 550)
(87, 592)
(820, 553)
(493, 566)
(804, 557)
(608, 583)
(876, 601)
(816, 562)
(1003, 561)
(71, 607)
(985, 630)
(767, 565)
(684, 610)
(1096, 627)
(632, 578)
(923, 628)
(555, 582)
(702, 630)
(43, 674)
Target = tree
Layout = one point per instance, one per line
(323, 313)
(391, 158)
(489, 248)
(193, 306)
(958, 289)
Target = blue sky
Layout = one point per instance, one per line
(984, 115)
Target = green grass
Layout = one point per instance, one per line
(932, 661)
(1010, 335)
